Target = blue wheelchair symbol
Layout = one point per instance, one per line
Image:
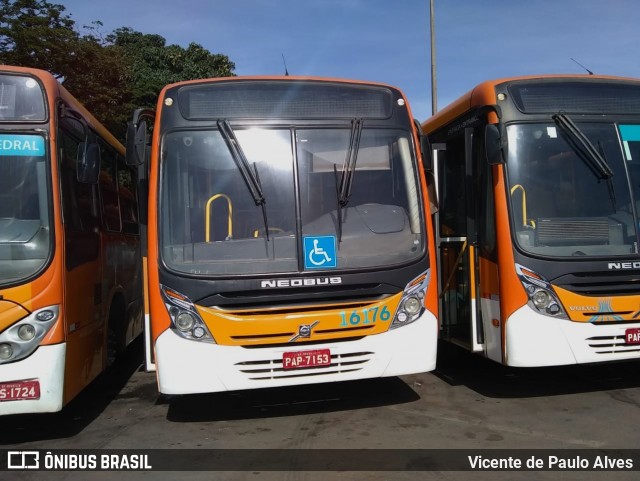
(320, 252)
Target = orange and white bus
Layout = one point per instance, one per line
(538, 227)
(289, 235)
(70, 268)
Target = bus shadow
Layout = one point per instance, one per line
(290, 401)
(81, 411)
(458, 367)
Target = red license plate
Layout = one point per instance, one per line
(313, 358)
(20, 390)
(632, 336)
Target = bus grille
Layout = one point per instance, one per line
(269, 369)
(608, 283)
(611, 345)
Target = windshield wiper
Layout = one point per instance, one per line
(343, 185)
(583, 147)
(595, 160)
(251, 178)
(612, 192)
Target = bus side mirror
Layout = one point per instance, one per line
(88, 163)
(136, 143)
(425, 150)
(495, 146)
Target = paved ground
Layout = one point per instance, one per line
(467, 403)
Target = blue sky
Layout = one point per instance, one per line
(388, 40)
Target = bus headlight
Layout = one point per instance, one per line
(45, 315)
(541, 299)
(185, 320)
(6, 351)
(22, 338)
(541, 295)
(26, 332)
(198, 332)
(411, 305)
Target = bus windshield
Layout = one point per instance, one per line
(211, 224)
(24, 207)
(21, 98)
(562, 203)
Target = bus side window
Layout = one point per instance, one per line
(486, 204)
(79, 206)
(127, 182)
(79, 209)
(452, 208)
(108, 192)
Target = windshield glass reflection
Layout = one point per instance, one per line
(559, 206)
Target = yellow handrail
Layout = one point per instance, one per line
(525, 221)
(256, 232)
(207, 217)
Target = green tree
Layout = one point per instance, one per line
(36, 33)
(98, 77)
(152, 64)
(39, 34)
(110, 74)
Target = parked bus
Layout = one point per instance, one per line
(537, 232)
(288, 236)
(70, 268)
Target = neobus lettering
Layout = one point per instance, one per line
(462, 125)
(624, 265)
(320, 281)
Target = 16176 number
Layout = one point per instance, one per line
(364, 316)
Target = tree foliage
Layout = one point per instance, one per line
(110, 74)
(98, 77)
(153, 64)
(35, 33)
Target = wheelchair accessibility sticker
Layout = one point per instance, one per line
(320, 252)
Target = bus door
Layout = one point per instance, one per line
(456, 234)
(138, 145)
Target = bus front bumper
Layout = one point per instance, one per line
(46, 365)
(536, 340)
(186, 367)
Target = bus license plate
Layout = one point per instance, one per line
(20, 390)
(632, 336)
(299, 359)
